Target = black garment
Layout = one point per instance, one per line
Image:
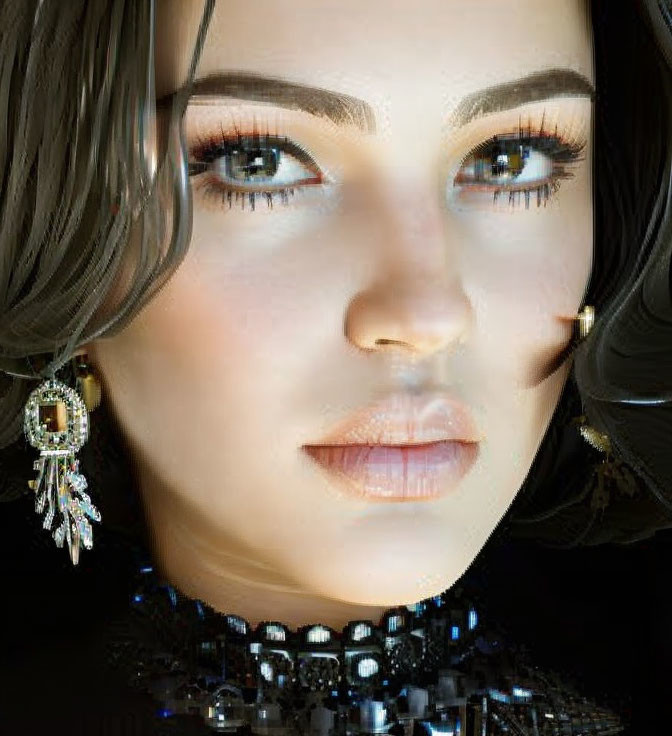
(600, 615)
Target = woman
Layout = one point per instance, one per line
(327, 236)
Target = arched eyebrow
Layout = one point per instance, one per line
(541, 85)
(344, 109)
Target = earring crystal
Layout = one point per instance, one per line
(56, 422)
(598, 440)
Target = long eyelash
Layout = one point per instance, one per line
(543, 194)
(212, 147)
(229, 196)
(563, 149)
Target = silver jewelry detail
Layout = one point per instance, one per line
(56, 422)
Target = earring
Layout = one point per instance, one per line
(600, 441)
(608, 476)
(56, 422)
(585, 321)
(610, 473)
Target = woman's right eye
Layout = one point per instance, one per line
(249, 166)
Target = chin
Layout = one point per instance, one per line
(387, 586)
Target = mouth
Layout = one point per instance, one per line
(397, 472)
(405, 448)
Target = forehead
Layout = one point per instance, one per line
(386, 52)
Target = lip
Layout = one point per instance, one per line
(403, 448)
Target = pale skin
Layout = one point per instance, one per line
(265, 337)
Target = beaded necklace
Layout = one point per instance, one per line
(437, 664)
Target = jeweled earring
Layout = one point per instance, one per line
(600, 441)
(611, 473)
(56, 422)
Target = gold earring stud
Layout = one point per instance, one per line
(87, 382)
(586, 319)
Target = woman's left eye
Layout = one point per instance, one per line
(519, 167)
(246, 167)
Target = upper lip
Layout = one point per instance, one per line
(406, 419)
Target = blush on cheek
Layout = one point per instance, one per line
(182, 320)
(547, 359)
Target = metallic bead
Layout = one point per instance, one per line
(586, 319)
(90, 390)
(597, 439)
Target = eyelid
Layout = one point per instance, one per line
(216, 147)
(202, 151)
(560, 153)
(553, 146)
(218, 186)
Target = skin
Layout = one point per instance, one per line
(264, 338)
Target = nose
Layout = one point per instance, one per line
(415, 302)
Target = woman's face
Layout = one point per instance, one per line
(272, 331)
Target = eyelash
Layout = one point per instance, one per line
(560, 151)
(208, 150)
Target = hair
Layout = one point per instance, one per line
(622, 370)
(82, 194)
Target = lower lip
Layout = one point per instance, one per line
(397, 474)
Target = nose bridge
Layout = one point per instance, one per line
(416, 297)
(415, 241)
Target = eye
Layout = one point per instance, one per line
(517, 168)
(250, 166)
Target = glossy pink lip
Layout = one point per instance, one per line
(404, 448)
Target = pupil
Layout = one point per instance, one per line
(509, 163)
(252, 164)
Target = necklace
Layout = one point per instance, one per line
(437, 662)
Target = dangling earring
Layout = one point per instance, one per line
(611, 472)
(56, 422)
(584, 323)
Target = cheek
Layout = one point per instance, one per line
(519, 288)
(519, 300)
(242, 332)
(524, 270)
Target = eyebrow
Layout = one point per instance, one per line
(541, 85)
(344, 109)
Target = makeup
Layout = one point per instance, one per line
(397, 473)
(540, 85)
(405, 447)
(548, 367)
